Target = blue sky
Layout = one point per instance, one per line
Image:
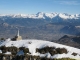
(34, 6)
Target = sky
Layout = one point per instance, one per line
(35, 6)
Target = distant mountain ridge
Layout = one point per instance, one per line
(41, 15)
(70, 41)
(46, 26)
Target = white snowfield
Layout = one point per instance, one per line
(32, 44)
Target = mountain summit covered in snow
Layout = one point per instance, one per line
(41, 15)
(40, 48)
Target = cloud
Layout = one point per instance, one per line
(70, 2)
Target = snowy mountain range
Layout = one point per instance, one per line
(33, 44)
(41, 15)
(40, 25)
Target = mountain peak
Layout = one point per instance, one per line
(42, 15)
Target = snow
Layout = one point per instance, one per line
(77, 26)
(63, 16)
(8, 53)
(32, 44)
(41, 15)
(0, 51)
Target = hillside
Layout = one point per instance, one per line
(70, 41)
(43, 48)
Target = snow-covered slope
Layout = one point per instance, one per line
(43, 15)
(32, 44)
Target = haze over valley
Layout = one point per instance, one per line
(47, 26)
